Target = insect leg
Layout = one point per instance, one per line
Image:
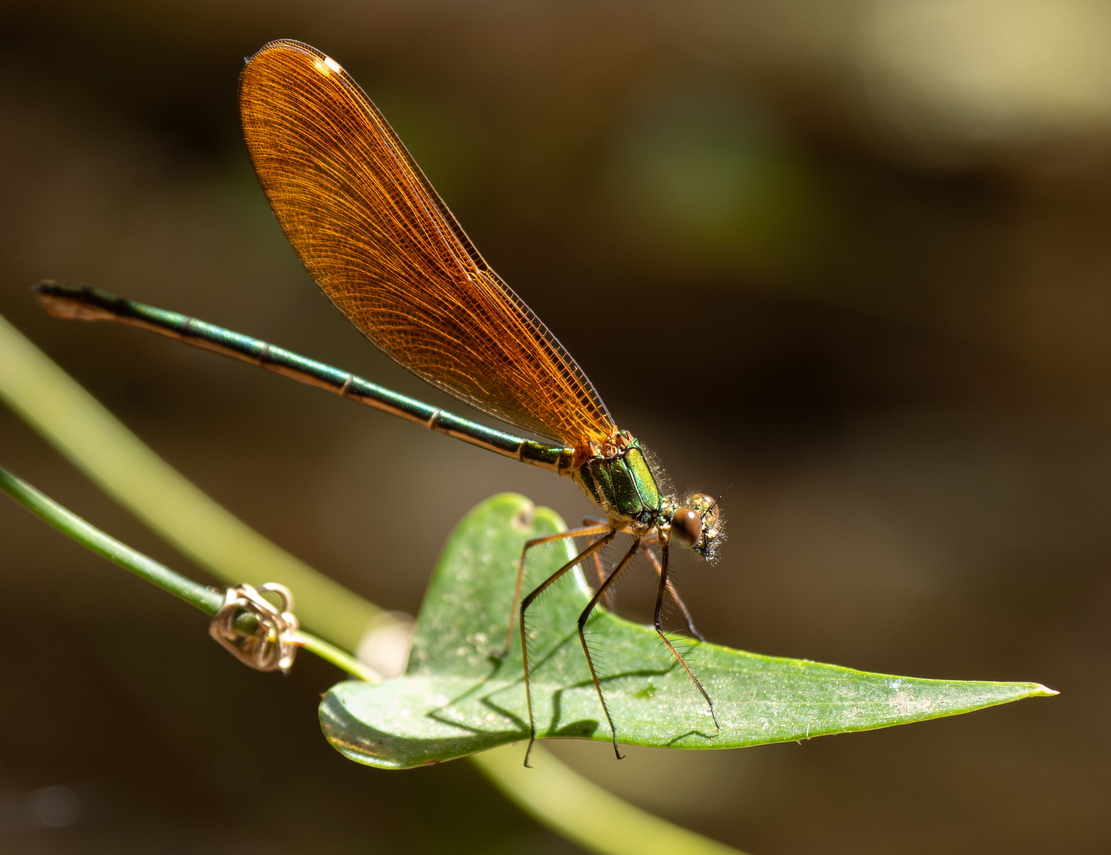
(617, 571)
(586, 531)
(598, 563)
(659, 629)
(683, 610)
(527, 601)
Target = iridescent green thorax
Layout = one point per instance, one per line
(620, 481)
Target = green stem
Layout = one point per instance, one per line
(208, 600)
(115, 459)
(340, 658)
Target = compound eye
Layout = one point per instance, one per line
(686, 527)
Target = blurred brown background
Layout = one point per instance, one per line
(846, 263)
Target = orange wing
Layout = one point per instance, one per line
(388, 253)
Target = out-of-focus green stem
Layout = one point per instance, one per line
(584, 812)
(116, 460)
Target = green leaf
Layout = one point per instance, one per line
(460, 697)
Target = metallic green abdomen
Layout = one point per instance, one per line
(623, 485)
